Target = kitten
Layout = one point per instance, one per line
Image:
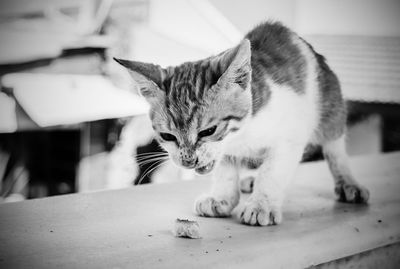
(255, 106)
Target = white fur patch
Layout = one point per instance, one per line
(288, 115)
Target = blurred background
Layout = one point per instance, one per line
(70, 117)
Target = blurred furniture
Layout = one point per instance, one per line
(60, 99)
(131, 228)
(51, 115)
(57, 104)
(368, 68)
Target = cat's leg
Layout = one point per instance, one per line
(246, 179)
(247, 184)
(224, 195)
(346, 187)
(264, 205)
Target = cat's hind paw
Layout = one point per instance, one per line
(258, 211)
(351, 193)
(247, 184)
(208, 206)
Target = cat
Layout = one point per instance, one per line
(255, 106)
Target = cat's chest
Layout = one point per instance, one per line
(288, 117)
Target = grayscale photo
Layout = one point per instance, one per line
(200, 134)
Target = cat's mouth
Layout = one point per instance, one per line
(202, 170)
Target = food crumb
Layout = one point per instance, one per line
(187, 229)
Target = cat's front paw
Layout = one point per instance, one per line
(259, 211)
(351, 193)
(208, 206)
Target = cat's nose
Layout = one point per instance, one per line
(189, 163)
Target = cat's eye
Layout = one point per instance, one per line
(168, 137)
(208, 132)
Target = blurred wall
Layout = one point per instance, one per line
(348, 17)
(344, 17)
(245, 14)
(194, 23)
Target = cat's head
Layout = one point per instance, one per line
(198, 106)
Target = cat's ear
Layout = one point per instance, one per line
(237, 65)
(149, 77)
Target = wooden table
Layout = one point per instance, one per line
(131, 228)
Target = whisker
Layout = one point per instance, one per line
(150, 152)
(147, 173)
(152, 160)
(149, 170)
(145, 154)
(151, 156)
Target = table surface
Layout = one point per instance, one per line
(131, 228)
